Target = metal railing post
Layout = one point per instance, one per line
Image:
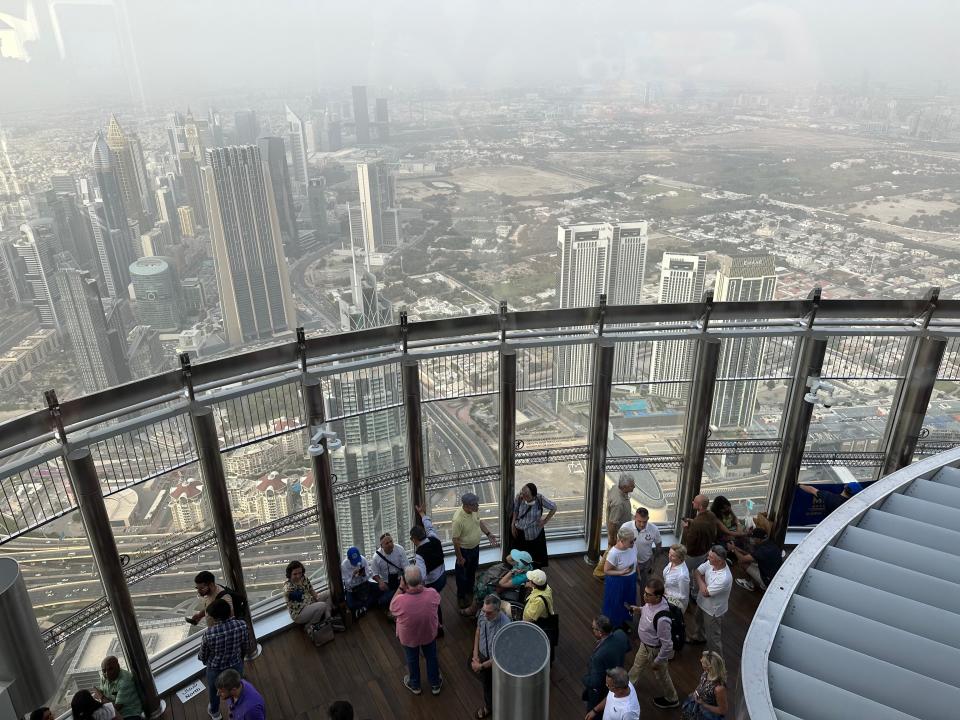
(906, 419)
(508, 439)
(597, 458)
(697, 424)
(323, 481)
(218, 502)
(793, 432)
(86, 486)
(410, 380)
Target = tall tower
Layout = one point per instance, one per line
(111, 224)
(126, 158)
(248, 253)
(681, 281)
(157, 289)
(38, 247)
(317, 206)
(167, 205)
(99, 363)
(296, 132)
(246, 129)
(379, 216)
(742, 278)
(596, 259)
(274, 155)
(361, 114)
(193, 186)
(8, 176)
(382, 118)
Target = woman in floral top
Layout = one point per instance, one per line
(303, 602)
(709, 700)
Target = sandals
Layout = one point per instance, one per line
(482, 713)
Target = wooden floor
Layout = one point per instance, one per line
(365, 665)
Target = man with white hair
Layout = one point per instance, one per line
(621, 702)
(715, 581)
(415, 609)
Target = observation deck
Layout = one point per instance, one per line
(173, 474)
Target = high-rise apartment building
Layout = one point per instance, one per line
(741, 278)
(246, 129)
(126, 158)
(251, 270)
(188, 227)
(382, 119)
(38, 248)
(193, 188)
(377, 230)
(296, 133)
(361, 114)
(596, 259)
(157, 289)
(681, 281)
(274, 155)
(101, 360)
(167, 207)
(317, 207)
(186, 505)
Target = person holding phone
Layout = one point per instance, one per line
(620, 579)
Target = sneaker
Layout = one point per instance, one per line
(664, 704)
(436, 688)
(746, 584)
(411, 688)
(213, 715)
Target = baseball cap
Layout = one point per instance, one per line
(353, 555)
(521, 556)
(854, 487)
(537, 577)
(470, 499)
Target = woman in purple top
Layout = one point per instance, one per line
(244, 700)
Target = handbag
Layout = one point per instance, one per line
(321, 633)
(692, 709)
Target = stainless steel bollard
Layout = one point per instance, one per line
(521, 673)
(23, 658)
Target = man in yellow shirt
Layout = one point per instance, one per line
(466, 531)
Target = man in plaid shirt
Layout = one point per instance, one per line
(223, 646)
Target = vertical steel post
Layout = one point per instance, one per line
(410, 380)
(218, 502)
(697, 423)
(86, 487)
(794, 429)
(597, 458)
(508, 439)
(323, 480)
(907, 417)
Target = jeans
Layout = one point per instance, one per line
(466, 574)
(212, 675)
(413, 663)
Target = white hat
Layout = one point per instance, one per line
(537, 577)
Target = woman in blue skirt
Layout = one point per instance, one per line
(620, 579)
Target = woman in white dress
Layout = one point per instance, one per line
(676, 578)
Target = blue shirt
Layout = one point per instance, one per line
(250, 704)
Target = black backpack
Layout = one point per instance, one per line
(239, 601)
(678, 631)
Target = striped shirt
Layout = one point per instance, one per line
(528, 516)
(224, 644)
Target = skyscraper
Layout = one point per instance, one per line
(157, 289)
(37, 248)
(274, 155)
(361, 114)
(167, 206)
(296, 132)
(379, 224)
(247, 249)
(317, 205)
(246, 129)
(681, 281)
(99, 363)
(382, 118)
(126, 159)
(595, 259)
(8, 176)
(193, 186)
(110, 221)
(741, 278)
(187, 224)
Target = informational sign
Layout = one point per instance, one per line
(191, 691)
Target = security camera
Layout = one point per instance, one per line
(810, 398)
(316, 448)
(828, 400)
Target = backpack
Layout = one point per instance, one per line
(239, 600)
(551, 626)
(678, 632)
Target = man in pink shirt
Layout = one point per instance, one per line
(415, 609)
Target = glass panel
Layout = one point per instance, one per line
(80, 658)
(743, 478)
(444, 502)
(461, 433)
(265, 562)
(857, 419)
(563, 483)
(364, 517)
(941, 424)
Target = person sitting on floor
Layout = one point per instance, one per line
(358, 584)
(389, 564)
(761, 562)
(303, 603)
(512, 573)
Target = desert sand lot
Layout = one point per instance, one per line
(900, 207)
(781, 138)
(516, 181)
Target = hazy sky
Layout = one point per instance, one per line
(203, 46)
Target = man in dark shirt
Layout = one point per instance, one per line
(831, 501)
(699, 535)
(761, 563)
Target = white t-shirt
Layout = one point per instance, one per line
(646, 539)
(621, 559)
(719, 583)
(676, 583)
(625, 708)
(107, 712)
